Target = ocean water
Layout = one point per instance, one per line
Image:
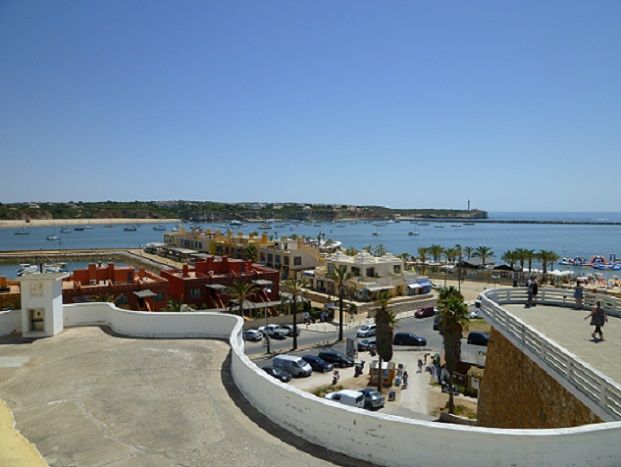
(565, 240)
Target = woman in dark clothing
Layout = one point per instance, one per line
(598, 318)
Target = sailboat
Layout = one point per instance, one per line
(21, 231)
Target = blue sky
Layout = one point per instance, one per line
(406, 104)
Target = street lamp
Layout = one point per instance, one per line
(267, 322)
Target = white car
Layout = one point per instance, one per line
(368, 330)
(347, 397)
(475, 314)
(274, 331)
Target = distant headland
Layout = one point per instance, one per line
(205, 211)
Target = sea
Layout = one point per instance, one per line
(567, 240)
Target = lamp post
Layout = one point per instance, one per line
(459, 268)
(267, 322)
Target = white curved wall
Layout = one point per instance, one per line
(10, 322)
(383, 439)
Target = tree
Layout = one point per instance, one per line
(510, 257)
(340, 276)
(174, 305)
(241, 291)
(436, 252)
(468, 252)
(546, 257)
(483, 252)
(422, 256)
(521, 256)
(295, 287)
(405, 257)
(385, 322)
(351, 251)
(530, 256)
(250, 252)
(453, 321)
(451, 254)
(379, 250)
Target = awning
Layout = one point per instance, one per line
(415, 286)
(145, 293)
(216, 287)
(379, 288)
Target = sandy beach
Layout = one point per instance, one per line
(8, 224)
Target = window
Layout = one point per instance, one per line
(278, 260)
(370, 272)
(262, 256)
(297, 261)
(270, 258)
(355, 271)
(396, 269)
(330, 267)
(286, 259)
(195, 292)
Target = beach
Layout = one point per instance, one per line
(16, 224)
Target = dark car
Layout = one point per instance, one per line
(277, 373)
(364, 345)
(408, 338)
(373, 399)
(425, 312)
(478, 338)
(336, 358)
(318, 363)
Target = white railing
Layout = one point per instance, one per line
(600, 393)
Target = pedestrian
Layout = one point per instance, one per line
(535, 290)
(529, 291)
(405, 379)
(579, 295)
(335, 377)
(420, 366)
(598, 318)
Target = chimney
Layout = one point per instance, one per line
(92, 272)
(185, 270)
(3, 285)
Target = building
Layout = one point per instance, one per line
(290, 256)
(10, 295)
(369, 275)
(205, 283)
(125, 286)
(216, 242)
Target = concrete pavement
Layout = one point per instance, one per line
(86, 397)
(569, 329)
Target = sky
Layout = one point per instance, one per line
(413, 104)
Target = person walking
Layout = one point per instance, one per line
(535, 291)
(529, 291)
(335, 377)
(579, 295)
(598, 318)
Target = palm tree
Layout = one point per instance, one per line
(546, 257)
(521, 256)
(451, 254)
(351, 251)
(379, 250)
(468, 251)
(241, 291)
(177, 306)
(483, 252)
(340, 276)
(295, 287)
(250, 252)
(453, 320)
(436, 252)
(385, 322)
(530, 256)
(510, 257)
(405, 257)
(422, 256)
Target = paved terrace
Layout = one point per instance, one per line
(86, 397)
(569, 329)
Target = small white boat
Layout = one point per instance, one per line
(130, 228)
(65, 230)
(22, 231)
(412, 234)
(159, 228)
(53, 237)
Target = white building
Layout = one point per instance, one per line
(290, 256)
(368, 275)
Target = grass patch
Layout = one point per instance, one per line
(325, 389)
(479, 325)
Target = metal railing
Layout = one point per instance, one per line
(600, 393)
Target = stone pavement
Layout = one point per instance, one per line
(569, 329)
(86, 397)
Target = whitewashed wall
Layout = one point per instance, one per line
(379, 438)
(10, 322)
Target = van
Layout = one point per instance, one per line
(347, 397)
(294, 365)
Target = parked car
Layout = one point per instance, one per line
(364, 345)
(288, 328)
(252, 335)
(336, 358)
(347, 397)
(367, 330)
(318, 363)
(408, 338)
(278, 373)
(477, 302)
(274, 331)
(425, 312)
(292, 364)
(436, 322)
(373, 400)
(478, 338)
(475, 314)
